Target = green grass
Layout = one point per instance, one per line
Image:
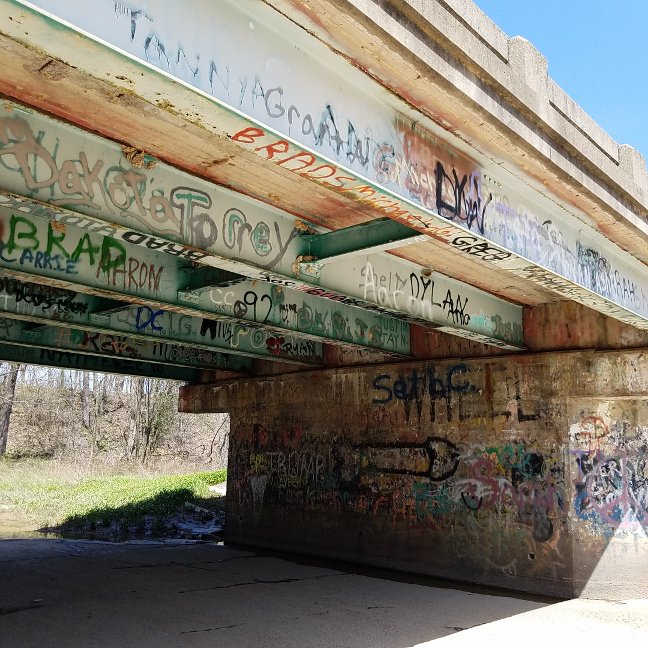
(53, 498)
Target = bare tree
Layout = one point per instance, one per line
(6, 404)
(85, 400)
(153, 414)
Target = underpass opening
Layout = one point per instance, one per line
(107, 456)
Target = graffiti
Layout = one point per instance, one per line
(217, 329)
(235, 226)
(282, 465)
(352, 122)
(507, 330)
(308, 166)
(455, 196)
(102, 187)
(481, 249)
(594, 270)
(453, 388)
(182, 353)
(278, 345)
(612, 490)
(415, 387)
(147, 241)
(146, 318)
(315, 317)
(612, 482)
(461, 200)
(80, 182)
(62, 219)
(437, 459)
(82, 362)
(512, 489)
(45, 298)
(590, 431)
(24, 247)
(290, 469)
(615, 286)
(120, 345)
(258, 341)
(515, 478)
(414, 294)
(103, 343)
(135, 16)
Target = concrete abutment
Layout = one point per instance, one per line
(528, 472)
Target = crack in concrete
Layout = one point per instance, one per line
(235, 625)
(460, 628)
(256, 581)
(19, 608)
(188, 565)
(29, 558)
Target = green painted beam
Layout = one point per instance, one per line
(305, 314)
(188, 220)
(48, 334)
(104, 364)
(204, 277)
(44, 303)
(38, 250)
(367, 238)
(108, 266)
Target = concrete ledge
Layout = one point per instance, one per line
(447, 59)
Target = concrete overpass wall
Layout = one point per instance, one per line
(527, 472)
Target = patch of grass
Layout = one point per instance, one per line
(54, 499)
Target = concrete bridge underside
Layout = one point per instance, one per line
(380, 236)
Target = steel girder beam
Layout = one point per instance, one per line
(84, 184)
(394, 285)
(84, 362)
(367, 238)
(88, 261)
(149, 322)
(410, 173)
(106, 342)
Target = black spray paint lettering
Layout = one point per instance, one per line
(415, 387)
(466, 196)
(44, 297)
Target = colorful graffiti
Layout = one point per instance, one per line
(434, 483)
(611, 487)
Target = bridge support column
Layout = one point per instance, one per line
(528, 472)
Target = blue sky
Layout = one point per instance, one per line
(597, 52)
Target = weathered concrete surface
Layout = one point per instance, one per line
(71, 593)
(526, 472)
(567, 326)
(451, 62)
(63, 593)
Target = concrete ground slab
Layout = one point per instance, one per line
(77, 593)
